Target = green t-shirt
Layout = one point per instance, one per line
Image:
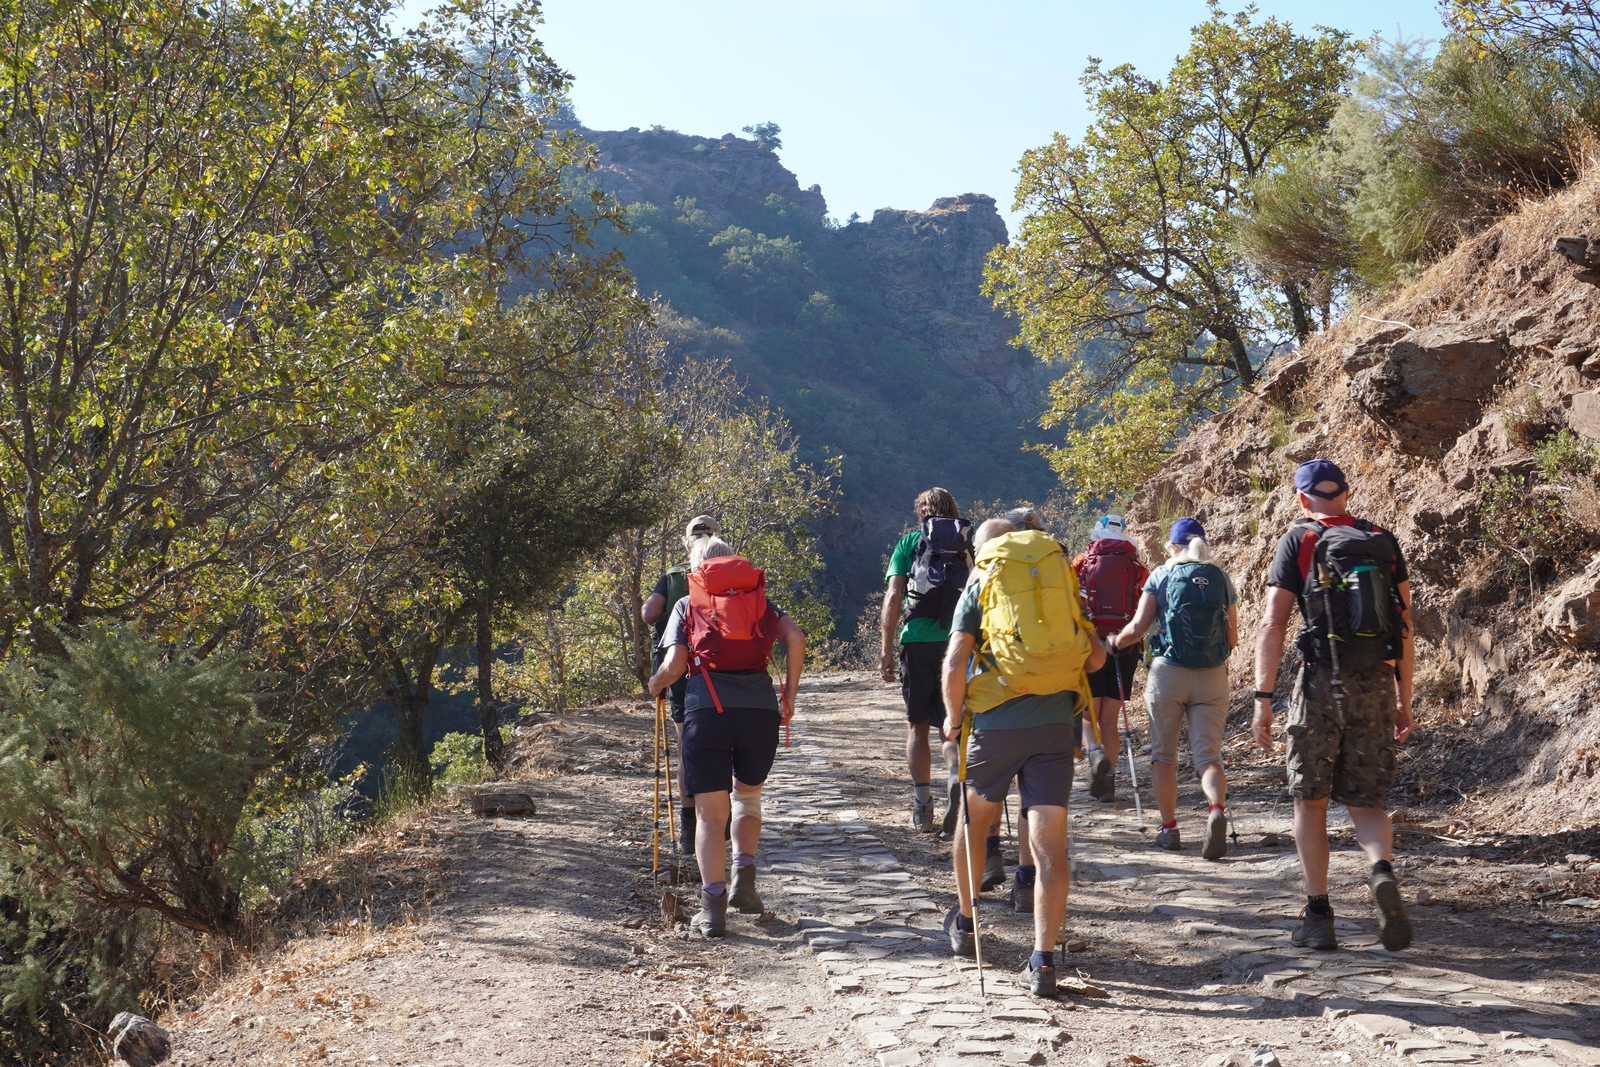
(913, 631)
(1030, 709)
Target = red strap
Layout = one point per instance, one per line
(707, 676)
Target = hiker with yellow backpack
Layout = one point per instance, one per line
(1016, 668)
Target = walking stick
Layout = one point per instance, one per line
(972, 881)
(1333, 643)
(655, 863)
(672, 823)
(1127, 735)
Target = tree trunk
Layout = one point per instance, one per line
(488, 713)
(1238, 352)
(1298, 312)
(409, 701)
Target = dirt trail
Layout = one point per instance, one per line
(547, 947)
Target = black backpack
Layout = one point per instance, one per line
(940, 569)
(1350, 569)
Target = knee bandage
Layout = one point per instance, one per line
(747, 802)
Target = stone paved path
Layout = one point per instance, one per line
(1157, 923)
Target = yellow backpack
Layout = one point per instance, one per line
(1035, 638)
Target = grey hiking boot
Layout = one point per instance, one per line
(1216, 845)
(1099, 773)
(712, 918)
(1394, 925)
(922, 816)
(1021, 897)
(1041, 981)
(953, 812)
(960, 940)
(994, 871)
(744, 896)
(1314, 931)
(1167, 838)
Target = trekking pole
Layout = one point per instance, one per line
(672, 823)
(1333, 644)
(1127, 735)
(966, 848)
(655, 863)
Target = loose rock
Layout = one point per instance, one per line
(137, 1041)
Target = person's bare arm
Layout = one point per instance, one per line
(671, 669)
(1269, 654)
(1144, 617)
(794, 658)
(888, 622)
(652, 609)
(956, 656)
(1406, 668)
(1233, 626)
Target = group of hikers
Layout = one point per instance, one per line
(1022, 662)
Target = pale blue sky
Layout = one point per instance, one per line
(889, 103)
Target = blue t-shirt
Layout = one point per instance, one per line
(1030, 709)
(736, 689)
(1156, 586)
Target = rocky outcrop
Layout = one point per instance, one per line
(931, 264)
(137, 1041)
(1427, 386)
(1572, 613)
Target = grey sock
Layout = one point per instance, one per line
(924, 792)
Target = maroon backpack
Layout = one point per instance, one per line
(1110, 578)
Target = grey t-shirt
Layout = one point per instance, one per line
(736, 689)
(1030, 709)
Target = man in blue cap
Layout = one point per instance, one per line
(1351, 705)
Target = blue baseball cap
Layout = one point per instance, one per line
(1314, 472)
(1184, 530)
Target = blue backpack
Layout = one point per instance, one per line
(1195, 620)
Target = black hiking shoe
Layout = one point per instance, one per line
(948, 828)
(744, 896)
(994, 871)
(1314, 931)
(1099, 774)
(1216, 845)
(922, 816)
(960, 940)
(1394, 925)
(712, 918)
(1021, 897)
(1041, 981)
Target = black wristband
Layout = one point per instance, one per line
(1263, 694)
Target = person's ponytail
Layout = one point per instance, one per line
(1197, 551)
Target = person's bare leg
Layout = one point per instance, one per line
(1047, 827)
(919, 758)
(1024, 840)
(1214, 780)
(683, 788)
(1311, 842)
(1374, 832)
(710, 850)
(968, 854)
(1164, 784)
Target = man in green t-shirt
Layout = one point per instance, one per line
(922, 630)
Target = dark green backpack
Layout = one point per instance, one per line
(1196, 617)
(677, 586)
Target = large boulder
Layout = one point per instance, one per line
(1572, 613)
(1429, 386)
(137, 1041)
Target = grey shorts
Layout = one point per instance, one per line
(1353, 762)
(1038, 757)
(1174, 694)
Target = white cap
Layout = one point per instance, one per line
(1108, 528)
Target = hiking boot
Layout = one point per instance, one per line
(1216, 845)
(1041, 980)
(744, 896)
(1394, 925)
(1099, 773)
(1021, 898)
(922, 816)
(953, 812)
(712, 918)
(1167, 838)
(960, 940)
(1314, 931)
(1110, 796)
(994, 871)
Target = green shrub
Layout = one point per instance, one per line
(1564, 455)
(1533, 530)
(458, 758)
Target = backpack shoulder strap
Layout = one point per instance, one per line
(1311, 532)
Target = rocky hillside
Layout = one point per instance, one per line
(1464, 410)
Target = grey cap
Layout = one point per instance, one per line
(701, 526)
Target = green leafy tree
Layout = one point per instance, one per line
(1125, 268)
(766, 134)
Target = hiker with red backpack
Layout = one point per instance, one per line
(1193, 606)
(1351, 704)
(722, 634)
(927, 570)
(671, 587)
(1110, 577)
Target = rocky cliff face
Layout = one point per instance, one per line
(1434, 403)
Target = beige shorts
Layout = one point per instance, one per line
(1173, 694)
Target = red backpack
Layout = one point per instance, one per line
(1111, 577)
(731, 625)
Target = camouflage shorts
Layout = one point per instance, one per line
(1353, 763)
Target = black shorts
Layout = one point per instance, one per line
(733, 743)
(922, 682)
(1103, 682)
